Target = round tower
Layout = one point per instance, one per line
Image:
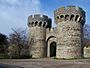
(37, 26)
(70, 21)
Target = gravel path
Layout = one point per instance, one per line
(44, 63)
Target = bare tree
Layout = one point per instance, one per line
(19, 39)
(87, 35)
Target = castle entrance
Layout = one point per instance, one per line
(51, 46)
(52, 49)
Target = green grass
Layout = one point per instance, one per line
(3, 56)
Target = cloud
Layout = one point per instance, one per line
(10, 1)
(14, 13)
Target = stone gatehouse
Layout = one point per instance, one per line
(64, 41)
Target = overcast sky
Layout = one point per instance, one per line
(14, 13)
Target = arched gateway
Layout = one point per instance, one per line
(51, 46)
(68, 34)
(52, 49)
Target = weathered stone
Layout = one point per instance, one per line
(38, 24)
(67, 37)
(69, 32)
(87, 52)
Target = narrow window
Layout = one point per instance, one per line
(61, 17)
(32, 24)
(77, 16)
(40, 23)
(80, 19)
(44, 24)
(66, 17)
(57, 17)
(36, 23)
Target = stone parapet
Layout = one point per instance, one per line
(70, 13)
(39, 20)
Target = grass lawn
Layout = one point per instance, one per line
(3, 56)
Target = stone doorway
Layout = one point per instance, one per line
(51, 46)
(52, 49)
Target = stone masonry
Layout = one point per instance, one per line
(38, 24)
(70, 23)
(66, 40)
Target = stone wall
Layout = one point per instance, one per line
(37, 42)
(50, 37)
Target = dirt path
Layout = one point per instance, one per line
(44, 63)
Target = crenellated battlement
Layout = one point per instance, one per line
(38, 20)
(69, 10)
(70, 13)
(38, 16)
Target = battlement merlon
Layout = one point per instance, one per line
(38, 17)
(70, 10)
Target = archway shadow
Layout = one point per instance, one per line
(53, 49)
